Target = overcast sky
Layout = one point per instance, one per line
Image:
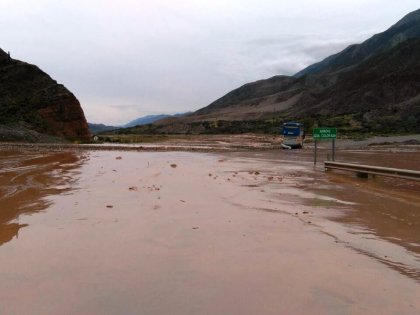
(127, 58)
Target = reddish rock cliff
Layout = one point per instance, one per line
(27, 94)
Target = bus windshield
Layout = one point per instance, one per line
(292, 130)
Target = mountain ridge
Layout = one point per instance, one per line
(408, 27)
(374, 86)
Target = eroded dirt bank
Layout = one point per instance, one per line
(204, 233)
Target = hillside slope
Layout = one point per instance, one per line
(387, 84)
(29, 96)
(407, 28)
(374, 86)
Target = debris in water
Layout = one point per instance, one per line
(110, 206)
(118, 158)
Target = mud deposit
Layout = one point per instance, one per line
(93, 232)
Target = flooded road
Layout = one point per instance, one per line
(195, 233)
(25, 179)
(386, 207)
(379, 217)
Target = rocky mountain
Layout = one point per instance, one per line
(372, 86)
(31, 98)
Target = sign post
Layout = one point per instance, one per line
(324, 134)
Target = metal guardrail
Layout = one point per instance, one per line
(366, 170)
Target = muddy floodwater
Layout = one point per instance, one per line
(109, 232)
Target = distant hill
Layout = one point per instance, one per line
(368, 87)
(97, 128)
(142, 123)
(149, 119)
(31, 103)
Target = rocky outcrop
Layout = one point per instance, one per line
(30, 96)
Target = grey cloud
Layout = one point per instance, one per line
(287, 53)
(134, 57)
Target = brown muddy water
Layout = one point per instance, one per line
(195, 233)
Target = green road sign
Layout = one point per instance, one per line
(325, 133)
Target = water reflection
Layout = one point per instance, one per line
(383, 221)
(26, 178)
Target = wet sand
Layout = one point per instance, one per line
(204, 233)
